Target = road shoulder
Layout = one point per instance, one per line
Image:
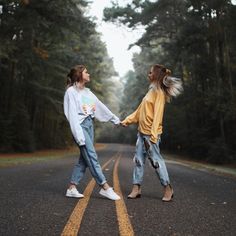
(216, 169)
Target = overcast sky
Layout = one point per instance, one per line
(117, 39)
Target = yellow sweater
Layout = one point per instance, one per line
(149, 114)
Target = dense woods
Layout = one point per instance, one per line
(39, 42)
(196, 40)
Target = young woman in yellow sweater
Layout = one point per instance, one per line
(149, 116)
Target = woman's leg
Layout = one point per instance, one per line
(138, 171)
(89, 153)
(161, 171)
(139, 160)
(77, 175)
(78, 171)
(90, 157)
(158, 159)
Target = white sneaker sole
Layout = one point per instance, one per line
(74, 196)
(111, 198)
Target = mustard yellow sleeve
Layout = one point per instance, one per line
(132, 118)
(158, 116)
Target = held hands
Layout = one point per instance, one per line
(123, 123)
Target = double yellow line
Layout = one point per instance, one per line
(125, 228)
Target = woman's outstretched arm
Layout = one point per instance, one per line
(103, 114)
(132, 118)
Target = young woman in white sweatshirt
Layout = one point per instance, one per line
(81, 106)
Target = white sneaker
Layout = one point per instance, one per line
(109, 193)
(73, 192)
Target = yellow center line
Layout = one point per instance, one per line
(125, 226)
(73, 224)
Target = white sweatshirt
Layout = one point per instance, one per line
(79, 104)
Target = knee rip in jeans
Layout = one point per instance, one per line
(137, 161)
(155, 164)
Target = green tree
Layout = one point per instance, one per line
(194, 39)
(40, 42)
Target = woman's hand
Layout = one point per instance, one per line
(123, 123)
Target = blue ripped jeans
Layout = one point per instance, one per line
(140, 158)
(88, 157)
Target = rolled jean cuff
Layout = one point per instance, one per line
(165, 184)
(103, 182)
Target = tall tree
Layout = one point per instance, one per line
(194, 39)
(40, 41)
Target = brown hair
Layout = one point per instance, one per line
(171, 86)
(75, 75)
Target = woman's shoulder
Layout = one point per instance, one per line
(158, 93)
(155, 90)
(74, 91)
(70, 90)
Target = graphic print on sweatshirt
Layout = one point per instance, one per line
(88, 104)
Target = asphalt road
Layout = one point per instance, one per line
(33, 202)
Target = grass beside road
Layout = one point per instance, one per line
(11, 159)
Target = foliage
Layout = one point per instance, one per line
(39, 42)
(195, 39)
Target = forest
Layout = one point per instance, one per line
(196, 40)
(41, 40)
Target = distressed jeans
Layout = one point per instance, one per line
(140, 158)
(88, 157)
